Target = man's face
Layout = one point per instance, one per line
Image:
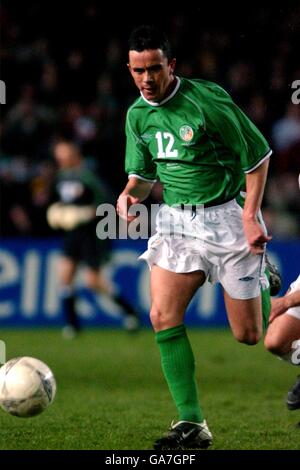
(66, 155)
(151, 72)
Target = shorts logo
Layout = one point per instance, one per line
(186, 133)
(246, 278)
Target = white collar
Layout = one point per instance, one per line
(169, 97)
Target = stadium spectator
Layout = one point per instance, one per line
(286, 131)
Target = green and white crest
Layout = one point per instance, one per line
(186, 133)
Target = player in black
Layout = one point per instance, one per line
(77, 193)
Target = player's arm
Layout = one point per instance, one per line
(252, 150)
(53, 213)
(255, 184)
(136, 191)
(281, 304)
(138, 165)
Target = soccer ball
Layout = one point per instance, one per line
(27, 386)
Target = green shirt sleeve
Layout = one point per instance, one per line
(138, 160)
(237, 132)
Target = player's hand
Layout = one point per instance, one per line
(279, 306)
(255, 236)
(123, 205)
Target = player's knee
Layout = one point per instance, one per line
(248, 336)
(158, 319)
(274, 344)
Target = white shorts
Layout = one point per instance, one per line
(211, 240)
(294, 311)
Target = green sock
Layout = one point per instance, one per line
(178, 366)
(266, 303)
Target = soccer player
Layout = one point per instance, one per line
(77, 193)
(283, 334)
(205, 151)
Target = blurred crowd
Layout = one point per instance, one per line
(66, 76)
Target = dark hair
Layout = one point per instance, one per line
(149, 37)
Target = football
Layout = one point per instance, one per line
(27, 386)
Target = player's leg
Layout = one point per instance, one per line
(246, 291)
(248, 318)
(293, 396)
(171, 294)
(265, 296)
(245, 318)
(95, 254)
(96, 281)
(274, 276)
(241, 273)
(282, 339)
(282, 332)
(72, 244)
(67, 270)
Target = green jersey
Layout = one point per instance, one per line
(196, 141)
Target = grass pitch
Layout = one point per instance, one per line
(112, 395)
